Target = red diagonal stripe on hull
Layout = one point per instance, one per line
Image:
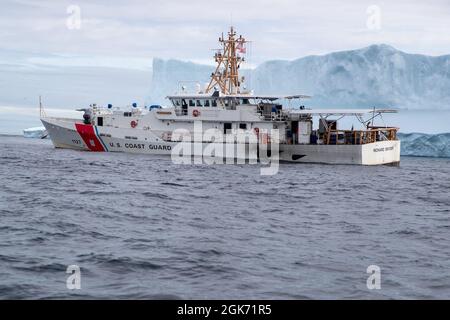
(87, 133)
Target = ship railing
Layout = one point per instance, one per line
(372, 134)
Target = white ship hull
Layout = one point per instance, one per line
(72, 134)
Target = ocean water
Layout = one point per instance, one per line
(142, 227)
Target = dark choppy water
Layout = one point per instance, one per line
(142, 227)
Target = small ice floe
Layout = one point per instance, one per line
(36, 132)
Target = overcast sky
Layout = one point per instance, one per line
(131, 33)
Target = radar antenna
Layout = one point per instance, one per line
(228, 59)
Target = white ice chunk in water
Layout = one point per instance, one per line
(35, 132)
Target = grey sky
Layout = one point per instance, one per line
(130, 33)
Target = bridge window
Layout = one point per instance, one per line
(243, 126)
(100, 121)
(191, 103)
(227, 127)
(214, 103)
(206, 103)
(199, 103)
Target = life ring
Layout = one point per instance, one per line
(256, 131)
(195, 113)
(133, 124)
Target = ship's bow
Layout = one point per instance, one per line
(63, 133)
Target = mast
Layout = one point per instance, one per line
(41, 110)
(228, 59)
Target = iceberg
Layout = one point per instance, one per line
(378, 75)
(425, 145)
(36, 132)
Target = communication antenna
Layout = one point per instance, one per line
(373, 116)
(41, 109)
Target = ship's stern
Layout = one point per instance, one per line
(381, 152)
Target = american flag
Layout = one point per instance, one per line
(240, 48)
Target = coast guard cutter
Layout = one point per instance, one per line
(230, 117)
